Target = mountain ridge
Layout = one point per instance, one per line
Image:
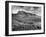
(24, 13)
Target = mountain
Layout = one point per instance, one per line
(26, 17)
(25, 13)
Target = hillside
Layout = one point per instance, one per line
(26, 21)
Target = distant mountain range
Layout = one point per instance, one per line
(27, 17)
(25, 13)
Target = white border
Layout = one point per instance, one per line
(24, 32)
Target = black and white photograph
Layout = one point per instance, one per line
(25, 18)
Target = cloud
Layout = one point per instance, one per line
(29, 9)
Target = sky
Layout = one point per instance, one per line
(28, 9)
